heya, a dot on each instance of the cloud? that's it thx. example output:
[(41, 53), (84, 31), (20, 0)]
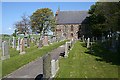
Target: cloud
[(9, 28)]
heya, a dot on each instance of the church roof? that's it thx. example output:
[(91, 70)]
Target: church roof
[(71, 17)]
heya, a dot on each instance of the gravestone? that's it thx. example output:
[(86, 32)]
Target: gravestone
[(25, 41), (0, 43), (14, 43), (88, 42), (22, 47), (32, 39), (18, 46), (45, 41), (47, 66), (83, 39), (5, 51), (53, 71), (28, 42), (10, 42), (40, 44), (54, 67), (67, 48)]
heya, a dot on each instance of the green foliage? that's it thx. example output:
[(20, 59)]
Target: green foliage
[(104, 17), (42, 20)]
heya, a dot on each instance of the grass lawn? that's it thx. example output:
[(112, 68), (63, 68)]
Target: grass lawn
[(82, 64), (0, 69), (16, 61)]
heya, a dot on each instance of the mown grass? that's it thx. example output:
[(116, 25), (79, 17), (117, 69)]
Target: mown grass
[(81, 64), (16, 61)]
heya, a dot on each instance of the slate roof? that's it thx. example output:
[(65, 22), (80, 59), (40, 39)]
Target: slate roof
[(71, 17)]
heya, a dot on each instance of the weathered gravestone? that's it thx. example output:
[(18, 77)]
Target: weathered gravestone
[(32, 39), (54, 67), (25, 41), (45, 41), (5, 51), (0, 43), (18, 46), (10, 41), (14, 43), (28, 42), (40, 43), (22, 47), (83, 39), (88, 42), (67, 48), (47, 66)]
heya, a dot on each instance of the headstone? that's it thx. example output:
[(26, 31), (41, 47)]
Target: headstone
[(22, 47), (32, 39), (0, 43), (103, 38), (5, 51), (88, 42), (14, 43), (47, 66), (40, 44), (93, 39), (28, 42), (10, 42), (54, 67), (18, 46), (53, 71), (45, 41), (25, 41), (83, 38), (67, 48)]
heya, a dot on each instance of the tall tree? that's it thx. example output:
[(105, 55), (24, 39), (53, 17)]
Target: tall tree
[(23, 26), (42, 21)]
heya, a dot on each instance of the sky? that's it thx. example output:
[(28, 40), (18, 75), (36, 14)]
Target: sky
[(12, 11)]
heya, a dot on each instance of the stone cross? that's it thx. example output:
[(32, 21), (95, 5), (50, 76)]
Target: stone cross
[(88, 42), (18, 46), (22, 47), (5, 51), (14, 43)]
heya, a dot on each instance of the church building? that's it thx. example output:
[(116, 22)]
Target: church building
[(68, 23)]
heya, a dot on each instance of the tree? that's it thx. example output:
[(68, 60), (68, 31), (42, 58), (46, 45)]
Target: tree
[(104, 18), (23, 26), (42, 21)]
